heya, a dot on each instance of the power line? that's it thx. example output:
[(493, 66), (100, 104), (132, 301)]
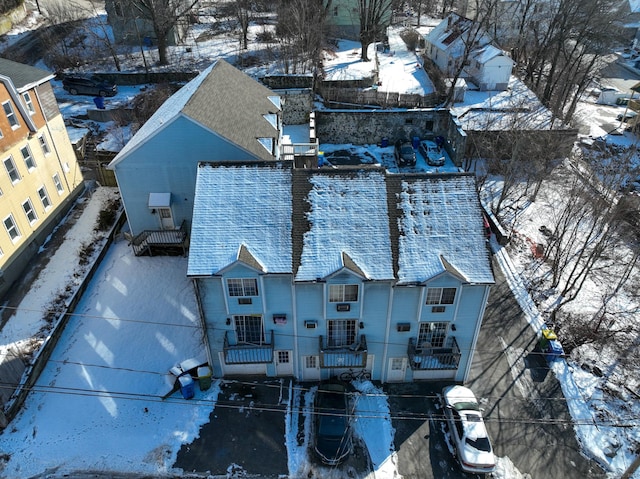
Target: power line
[(83, 392)]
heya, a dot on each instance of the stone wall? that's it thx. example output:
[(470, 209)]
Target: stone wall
[(362, 127), (297, 105)]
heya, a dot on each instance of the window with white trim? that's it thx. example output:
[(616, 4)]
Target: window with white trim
[(11, 227), (432, 335), (249, 329), (44, 144), (28, 103), (44, 197), (242, 286), (11, 115), (58, 183), (441, 295), (29, 212), (28, 157), (341, 332), (12, 171), (343, 293), (311, 362)]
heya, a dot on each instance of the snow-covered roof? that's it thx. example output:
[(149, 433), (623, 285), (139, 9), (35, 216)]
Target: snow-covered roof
[(314, 223), (347, 213), (239, 212), (488, 52), (222, 99), (634, 6), (441, 229)]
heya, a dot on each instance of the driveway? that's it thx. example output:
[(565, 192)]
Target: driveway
[(525, 411)]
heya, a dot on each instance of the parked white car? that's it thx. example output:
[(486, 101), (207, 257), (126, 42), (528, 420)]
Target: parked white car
[(433, 154), (467, 429)]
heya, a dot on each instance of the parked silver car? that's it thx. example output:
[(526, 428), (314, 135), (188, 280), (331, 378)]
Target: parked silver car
[(432, 153)]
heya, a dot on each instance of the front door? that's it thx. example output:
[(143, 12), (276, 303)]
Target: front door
[(310, 368), (284, 365), (166, 218), (397, 369)]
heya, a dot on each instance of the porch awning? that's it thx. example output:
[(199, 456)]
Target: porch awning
[(159, 200)]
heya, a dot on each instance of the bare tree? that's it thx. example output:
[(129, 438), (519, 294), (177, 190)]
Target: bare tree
[(243, 11), (302, 30), (164, 15), (374, 16)]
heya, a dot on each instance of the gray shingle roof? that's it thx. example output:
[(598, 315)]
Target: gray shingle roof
[(23, 76)]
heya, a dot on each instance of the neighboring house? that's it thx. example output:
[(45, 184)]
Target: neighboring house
[(311, 272), (131, 26), (40, 176), (343, 17), (490, 68), (486, 66), (221, 115)]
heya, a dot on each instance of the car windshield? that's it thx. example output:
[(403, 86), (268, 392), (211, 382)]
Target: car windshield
[(466, 406), (407, 150), (332, 425), (479, 443)]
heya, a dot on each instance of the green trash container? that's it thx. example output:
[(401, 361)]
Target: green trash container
[(204, 377)]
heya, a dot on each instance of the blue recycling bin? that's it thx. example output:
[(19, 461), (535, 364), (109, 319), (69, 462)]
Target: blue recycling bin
[(554, 350), (415, 142), (385, 142), (99, 101), (187, 386)]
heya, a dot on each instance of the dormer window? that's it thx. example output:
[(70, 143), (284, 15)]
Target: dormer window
[(441, 295), (343, 293), (242, 287)]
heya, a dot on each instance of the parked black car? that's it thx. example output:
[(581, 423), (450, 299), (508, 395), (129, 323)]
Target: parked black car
[(405, 154), (332, 425), (80, 85)]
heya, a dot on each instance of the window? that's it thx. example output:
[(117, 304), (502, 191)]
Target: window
[(283, 357), (341, 332), (242, 287), (249, 329), (11, 116), (29, 211), (1, 135), (12, 171), (11, 228), (311, 362), (44, 197), (58, 183), (28, 103), (441, 295), (340, 293), (432, 335), (28, 159), (44, 144)]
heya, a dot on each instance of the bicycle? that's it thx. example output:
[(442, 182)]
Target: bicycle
[(353, 375)]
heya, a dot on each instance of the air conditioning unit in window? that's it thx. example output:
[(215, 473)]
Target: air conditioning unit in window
[(343, 307), (311, 324), (244, 301)]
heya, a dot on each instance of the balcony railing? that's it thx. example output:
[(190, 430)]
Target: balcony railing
[(425, 358), (247, 353), (353, 356), (151, 242)]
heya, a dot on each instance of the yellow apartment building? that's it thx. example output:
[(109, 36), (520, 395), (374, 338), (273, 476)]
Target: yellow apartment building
[(39, 175)]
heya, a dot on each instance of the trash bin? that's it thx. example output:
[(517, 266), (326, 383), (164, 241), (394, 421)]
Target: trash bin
[(554, 351), (384, 142), (99, 101), (186, 386), (204, 377), (415, 142), (547, 335)]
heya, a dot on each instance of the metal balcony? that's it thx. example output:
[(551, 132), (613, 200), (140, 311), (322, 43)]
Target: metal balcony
[(429, 358), (353, 356), (247, 353)]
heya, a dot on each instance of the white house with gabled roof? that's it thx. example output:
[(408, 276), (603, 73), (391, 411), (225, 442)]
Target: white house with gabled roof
[(487, 66), (312, 272)]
